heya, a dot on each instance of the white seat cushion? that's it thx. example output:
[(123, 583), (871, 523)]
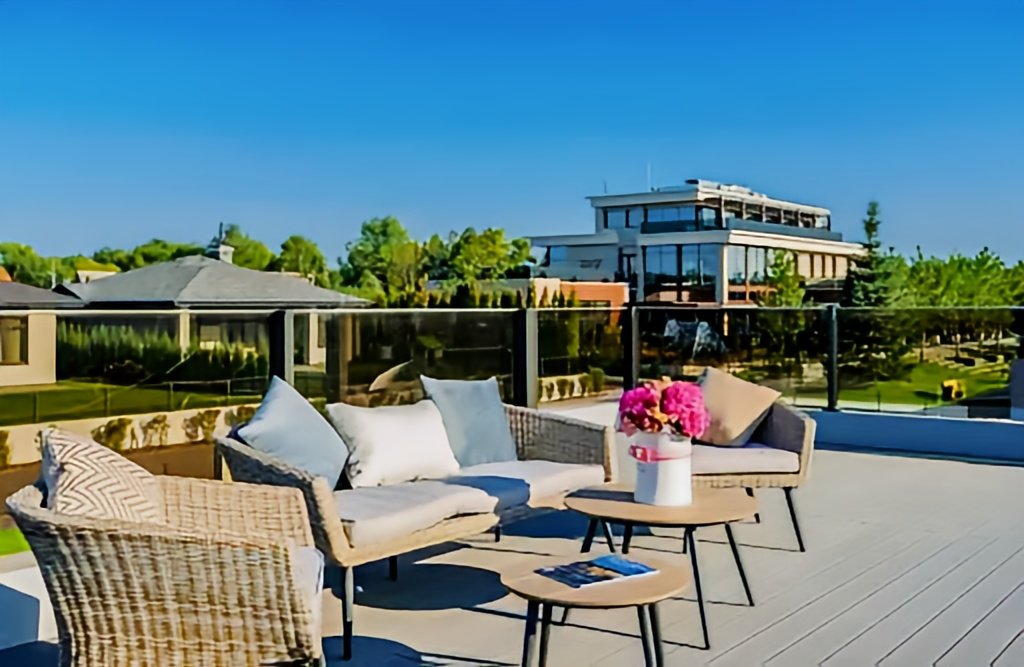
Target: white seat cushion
[(752, 457), (546, 479), (383, 513), (308, 578)]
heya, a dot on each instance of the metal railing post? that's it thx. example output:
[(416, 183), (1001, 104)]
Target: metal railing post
[(630, 346), (832, 358), (282, 345), (525, 359)]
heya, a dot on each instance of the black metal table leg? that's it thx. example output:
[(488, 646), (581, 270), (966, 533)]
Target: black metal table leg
[(627, 537), (739, 563), (692, 542), (757, 516), (608, 536), (645, 638), (588, 541), (545, 631), (530, 634), (659, 650)]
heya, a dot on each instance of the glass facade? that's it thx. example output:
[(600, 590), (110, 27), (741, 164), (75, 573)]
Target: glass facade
[(681, 215), (615, 218), (690, 267)]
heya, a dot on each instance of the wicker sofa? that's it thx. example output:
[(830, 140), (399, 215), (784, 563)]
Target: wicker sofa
[(335, 515), (220, 584)]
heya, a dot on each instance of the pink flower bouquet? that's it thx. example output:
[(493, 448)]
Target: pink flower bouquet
[(657, 406)]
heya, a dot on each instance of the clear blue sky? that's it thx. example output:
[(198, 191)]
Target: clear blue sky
[(123, 121)]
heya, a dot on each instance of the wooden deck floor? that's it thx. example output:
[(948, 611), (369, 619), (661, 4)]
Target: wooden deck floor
[(910, 562)]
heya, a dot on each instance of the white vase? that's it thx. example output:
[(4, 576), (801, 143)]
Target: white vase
[(666, 480)]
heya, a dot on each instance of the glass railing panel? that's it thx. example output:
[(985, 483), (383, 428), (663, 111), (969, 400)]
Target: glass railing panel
[(782, 348), (580, 352), (374, 358), (952, 362)]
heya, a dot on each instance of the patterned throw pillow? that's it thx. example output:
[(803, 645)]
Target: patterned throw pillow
[(84, 478)]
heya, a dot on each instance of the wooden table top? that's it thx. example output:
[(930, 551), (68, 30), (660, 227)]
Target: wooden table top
[(672, 578), (614, 502)]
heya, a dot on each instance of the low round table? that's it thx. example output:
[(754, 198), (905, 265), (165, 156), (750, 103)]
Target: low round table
[(613, 503), (542, 594)]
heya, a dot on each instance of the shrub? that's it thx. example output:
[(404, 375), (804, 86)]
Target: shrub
[(5, 449), (597, 379), (584, 385), (155, 431), (564, 387)]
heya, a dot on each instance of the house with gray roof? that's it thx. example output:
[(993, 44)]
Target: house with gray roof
[(203, 292), (28, 333)]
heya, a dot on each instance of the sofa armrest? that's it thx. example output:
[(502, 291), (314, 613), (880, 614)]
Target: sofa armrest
[(552, 437), (251, 466), (789, 429)]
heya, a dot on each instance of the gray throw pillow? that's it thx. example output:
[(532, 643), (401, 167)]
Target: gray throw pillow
[(737, 407), (287, 427), (474, 418)]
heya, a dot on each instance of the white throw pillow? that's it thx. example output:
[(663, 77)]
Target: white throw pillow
[(393, 444)]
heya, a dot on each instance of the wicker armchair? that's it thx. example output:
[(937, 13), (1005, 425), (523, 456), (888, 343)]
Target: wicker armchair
[(213, 587), (538, 435)]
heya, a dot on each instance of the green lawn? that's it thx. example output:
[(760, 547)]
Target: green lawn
[(11, 542), (79, 400)]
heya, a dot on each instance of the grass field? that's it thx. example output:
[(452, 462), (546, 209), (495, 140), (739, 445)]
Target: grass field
[(11, 542), (70, 399)]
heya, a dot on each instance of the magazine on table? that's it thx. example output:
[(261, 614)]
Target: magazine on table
[(602, 569)]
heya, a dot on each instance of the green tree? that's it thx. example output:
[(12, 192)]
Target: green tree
[(486, 255), (874, 339), (150, 252), (781, 329), (372, 252), (27, 266), (300, 255), (249, 252)]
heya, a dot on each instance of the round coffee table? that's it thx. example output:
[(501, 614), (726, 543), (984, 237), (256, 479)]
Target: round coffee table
[(613, 503), (542, 594)]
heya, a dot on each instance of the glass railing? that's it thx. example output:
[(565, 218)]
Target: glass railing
[(579, 353), (785, 348), (953, 362)]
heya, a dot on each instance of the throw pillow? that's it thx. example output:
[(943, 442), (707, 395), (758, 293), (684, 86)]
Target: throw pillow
[(288, 428), (737, 407), (393, 444), (84, 478), (474, 418)]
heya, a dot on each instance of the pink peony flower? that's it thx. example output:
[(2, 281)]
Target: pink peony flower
[(683, 404), (639, 410)]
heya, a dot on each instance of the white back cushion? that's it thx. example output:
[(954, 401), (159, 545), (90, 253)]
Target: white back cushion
[(393, 444)]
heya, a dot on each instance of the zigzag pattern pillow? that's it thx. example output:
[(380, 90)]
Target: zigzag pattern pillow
[(84, 478)]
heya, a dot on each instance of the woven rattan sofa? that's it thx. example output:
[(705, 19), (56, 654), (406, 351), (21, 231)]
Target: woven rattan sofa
[(539, 437), (219, 584)]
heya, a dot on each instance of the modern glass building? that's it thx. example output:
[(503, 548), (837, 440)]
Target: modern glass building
[(702, 242)]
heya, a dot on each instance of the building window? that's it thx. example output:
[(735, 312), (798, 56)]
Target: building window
[(615, 218), (556, 254), (685, 216), (707, 218), (737, 262), (709, 263), (690, 274), (757, 264), (660, 264), (635, 217), (13, 341)]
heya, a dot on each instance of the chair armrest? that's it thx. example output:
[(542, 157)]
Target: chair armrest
[(552, 437), (252, 466), (789, 429), (256, 511), (165, 596)]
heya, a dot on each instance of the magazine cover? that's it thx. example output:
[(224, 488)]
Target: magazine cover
[(597, 570)]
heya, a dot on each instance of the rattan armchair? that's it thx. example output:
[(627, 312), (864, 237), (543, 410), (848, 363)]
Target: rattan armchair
[(538, 436), (783, 428), (211, 587)]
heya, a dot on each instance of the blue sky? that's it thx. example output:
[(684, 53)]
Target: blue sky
[(123, 121)]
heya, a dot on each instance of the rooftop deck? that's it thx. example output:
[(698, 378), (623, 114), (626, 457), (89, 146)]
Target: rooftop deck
[(909, 562)]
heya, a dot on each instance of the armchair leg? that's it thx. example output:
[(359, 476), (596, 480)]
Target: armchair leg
[(393, 568), (757, 517), (792, 515), (348, 609), (497, 533)]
